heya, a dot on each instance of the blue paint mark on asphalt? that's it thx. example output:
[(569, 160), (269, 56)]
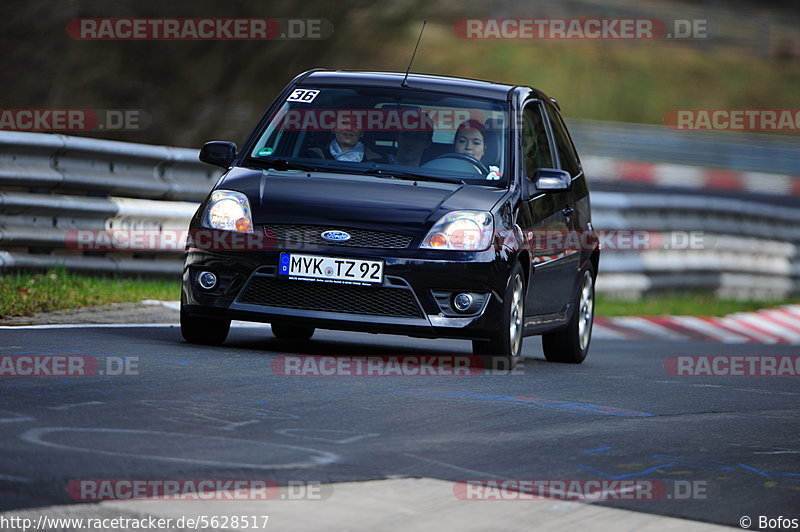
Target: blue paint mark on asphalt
[(683, 462), (599, 449), (628, 475), (183, 363), (753, 469), (530, 402), (766, 473), (699, 462)]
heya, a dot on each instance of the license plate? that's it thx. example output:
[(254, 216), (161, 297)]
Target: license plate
[(331, 269)]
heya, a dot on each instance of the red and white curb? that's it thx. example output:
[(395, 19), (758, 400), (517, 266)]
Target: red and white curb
[(767, 326), (679, 175)]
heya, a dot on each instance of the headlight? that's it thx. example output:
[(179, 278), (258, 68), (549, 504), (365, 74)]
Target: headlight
[(228, 211), (461, 231)]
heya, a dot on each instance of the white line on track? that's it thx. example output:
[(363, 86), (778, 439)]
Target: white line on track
[(10, 478), (315, 457)]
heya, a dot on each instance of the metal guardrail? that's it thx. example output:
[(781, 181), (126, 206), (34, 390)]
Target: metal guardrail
[(751, 152), (84, 166), (744, 249), (52, 185)]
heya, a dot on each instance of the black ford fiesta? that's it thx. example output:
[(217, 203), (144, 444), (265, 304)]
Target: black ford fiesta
[(410, 204)]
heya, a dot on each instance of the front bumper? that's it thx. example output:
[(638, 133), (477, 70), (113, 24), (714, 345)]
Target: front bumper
[(251, 290)]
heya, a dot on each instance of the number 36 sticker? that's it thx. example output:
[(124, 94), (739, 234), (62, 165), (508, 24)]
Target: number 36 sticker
[(303, 95)]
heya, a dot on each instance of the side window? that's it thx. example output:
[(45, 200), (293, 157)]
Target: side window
[(566, 151), (535, 147)]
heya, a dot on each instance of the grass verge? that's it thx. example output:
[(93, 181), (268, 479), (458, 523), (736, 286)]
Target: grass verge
[(695, 304), (23, 294)]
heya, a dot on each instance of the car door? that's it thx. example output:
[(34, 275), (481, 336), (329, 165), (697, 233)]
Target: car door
[(547, 219), (577, 197)]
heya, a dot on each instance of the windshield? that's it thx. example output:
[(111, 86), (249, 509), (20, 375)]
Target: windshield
[(389, 132)]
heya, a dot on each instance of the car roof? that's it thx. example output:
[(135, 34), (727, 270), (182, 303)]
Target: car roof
[(464, 86)]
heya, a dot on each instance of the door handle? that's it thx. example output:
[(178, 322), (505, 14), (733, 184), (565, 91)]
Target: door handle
[(568, 211)]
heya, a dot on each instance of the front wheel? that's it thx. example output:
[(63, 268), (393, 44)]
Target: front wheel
[(206, 331), (505, 345), (571, 344)]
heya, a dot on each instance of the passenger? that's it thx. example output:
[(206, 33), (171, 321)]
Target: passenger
[(411, 145), (347, 145), (470, 139)]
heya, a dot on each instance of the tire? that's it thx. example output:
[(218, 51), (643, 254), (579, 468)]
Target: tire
[(205, 331), (503, 349), (286, 331), (571, 344)]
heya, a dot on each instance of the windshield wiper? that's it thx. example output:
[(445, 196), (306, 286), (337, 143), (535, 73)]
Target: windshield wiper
[(285, 164), (411, 176)]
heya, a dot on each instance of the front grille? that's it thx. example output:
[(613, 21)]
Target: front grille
[(311, 234), (328, 297)]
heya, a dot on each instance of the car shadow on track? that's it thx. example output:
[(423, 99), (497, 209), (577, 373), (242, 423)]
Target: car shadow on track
[(327, 343)]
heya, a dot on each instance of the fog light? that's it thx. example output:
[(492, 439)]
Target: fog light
[(207, 280), (462, 302)]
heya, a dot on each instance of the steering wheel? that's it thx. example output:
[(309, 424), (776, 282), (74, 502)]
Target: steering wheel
[(467, 158)]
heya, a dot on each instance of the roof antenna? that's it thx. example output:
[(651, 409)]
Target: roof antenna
[(405, 78)]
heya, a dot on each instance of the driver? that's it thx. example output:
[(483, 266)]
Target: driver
[(470, 139)]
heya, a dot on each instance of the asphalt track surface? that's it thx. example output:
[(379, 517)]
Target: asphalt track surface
[(197, 412)]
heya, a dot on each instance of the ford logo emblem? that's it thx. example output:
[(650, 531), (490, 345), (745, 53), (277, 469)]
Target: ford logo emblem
[(336, 236)]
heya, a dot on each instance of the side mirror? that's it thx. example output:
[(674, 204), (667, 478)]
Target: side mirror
[(218, 153), (552, 179)]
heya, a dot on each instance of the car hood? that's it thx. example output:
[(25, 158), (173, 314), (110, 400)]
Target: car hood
[(297, 197)]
